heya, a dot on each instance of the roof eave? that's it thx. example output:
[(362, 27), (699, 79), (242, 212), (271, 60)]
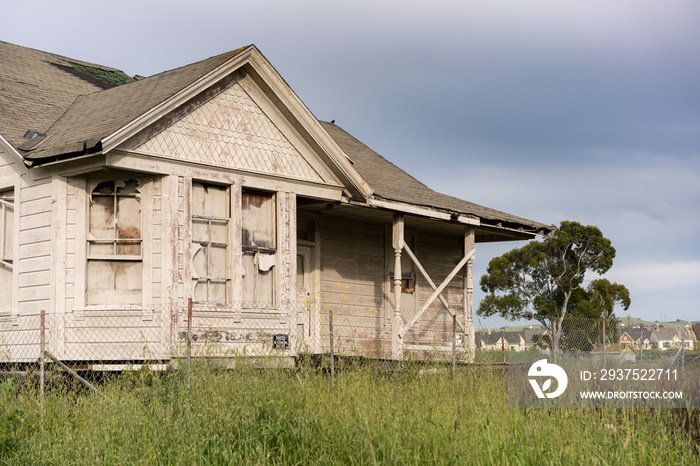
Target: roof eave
[(301, 113), (505, 229), (122, 134), (249, 55), (9, 148)]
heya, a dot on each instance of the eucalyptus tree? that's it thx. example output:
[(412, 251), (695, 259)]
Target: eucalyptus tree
[(543, 280)]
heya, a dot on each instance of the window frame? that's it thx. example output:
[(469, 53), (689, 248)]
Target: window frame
[(256, 251), (4, 230), (144, 195), (11, 231), (228, 265), (115, 240)]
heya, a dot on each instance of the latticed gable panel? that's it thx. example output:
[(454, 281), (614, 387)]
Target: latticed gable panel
[(232, 131)]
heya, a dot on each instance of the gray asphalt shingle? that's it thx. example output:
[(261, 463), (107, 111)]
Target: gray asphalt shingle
[(77, 104)]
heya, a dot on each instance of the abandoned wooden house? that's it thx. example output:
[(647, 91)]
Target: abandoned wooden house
[(123, 198)]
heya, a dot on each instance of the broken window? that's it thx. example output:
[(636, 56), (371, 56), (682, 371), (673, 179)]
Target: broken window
[(114, 269), (7, 214), (259, 237), (408, 285), (211, 215)]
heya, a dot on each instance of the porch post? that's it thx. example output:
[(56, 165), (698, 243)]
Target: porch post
[(470, 343), (397, 321)]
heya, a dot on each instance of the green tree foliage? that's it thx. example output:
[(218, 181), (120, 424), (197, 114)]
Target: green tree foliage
[(597, 301), (543, 281)]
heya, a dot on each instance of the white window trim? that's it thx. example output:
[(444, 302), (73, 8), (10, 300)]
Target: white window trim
[(16, 194), (278, 235), (230, 266), (82, 234)]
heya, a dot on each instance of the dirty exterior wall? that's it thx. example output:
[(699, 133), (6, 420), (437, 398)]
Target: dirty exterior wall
[(439, 255), (154, 328), (353, 280), (81, 330), (8, 181), (30, 286), (237, 326), (357, 262)]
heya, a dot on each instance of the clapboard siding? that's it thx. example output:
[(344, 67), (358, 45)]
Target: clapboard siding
[(20, 341), (72, 205), (352, 286), (35, 245)]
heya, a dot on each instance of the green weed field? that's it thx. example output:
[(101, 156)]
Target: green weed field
[(370, 416)]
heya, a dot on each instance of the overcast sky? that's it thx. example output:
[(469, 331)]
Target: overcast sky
[(549, 110)]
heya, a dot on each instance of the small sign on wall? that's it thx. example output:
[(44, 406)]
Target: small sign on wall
[(280, 341)]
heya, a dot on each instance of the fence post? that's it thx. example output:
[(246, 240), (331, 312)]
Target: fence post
[(682, 356), (454, 344), (604, 337), (189, 341), (330, 335), (42, 356), (503, 346)]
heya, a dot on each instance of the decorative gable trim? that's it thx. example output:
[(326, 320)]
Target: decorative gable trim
[(232, 130), (280, 95)]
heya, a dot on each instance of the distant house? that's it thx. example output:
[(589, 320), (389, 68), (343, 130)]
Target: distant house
[(501, 341), (121, 199), (625, 338), (632, 336), (673, 338)]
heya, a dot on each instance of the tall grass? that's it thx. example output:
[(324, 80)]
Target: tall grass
[(370, 416)]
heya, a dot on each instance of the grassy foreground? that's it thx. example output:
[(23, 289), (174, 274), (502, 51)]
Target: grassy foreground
[(250, 416)]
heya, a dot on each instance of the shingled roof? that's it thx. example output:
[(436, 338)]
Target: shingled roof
[(37, 87), (92, 115), (53, 107), (392, 183)]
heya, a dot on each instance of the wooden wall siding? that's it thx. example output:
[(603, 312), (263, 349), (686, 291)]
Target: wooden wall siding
[(231, 130), (157, 241), (9, 180), (7, 248), (352, 284), (119, 337), (71, 247), (184, 187), (231, 333), (34, 260), (438, 255), (8, 169), (286, 231), (19, 339)]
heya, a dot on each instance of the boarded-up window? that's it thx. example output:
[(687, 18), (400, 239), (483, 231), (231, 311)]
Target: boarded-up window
[(114, 269), (7, 214), (259, 237), (211, 214)]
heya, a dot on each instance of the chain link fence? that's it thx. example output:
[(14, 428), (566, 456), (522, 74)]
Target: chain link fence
[(168, 336)]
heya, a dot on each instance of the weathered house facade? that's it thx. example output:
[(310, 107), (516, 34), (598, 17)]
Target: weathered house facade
[(121, 199)]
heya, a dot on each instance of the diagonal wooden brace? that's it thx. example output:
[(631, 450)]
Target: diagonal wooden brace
[(420, 268), (439, 290)]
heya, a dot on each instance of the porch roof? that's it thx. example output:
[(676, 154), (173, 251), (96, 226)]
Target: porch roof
[(392, 183)]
